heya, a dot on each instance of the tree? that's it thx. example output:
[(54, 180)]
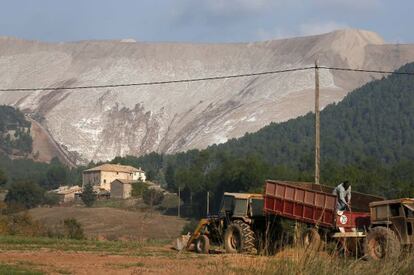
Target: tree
[(56, 176), (25, 193), (88, 195), (138, 188), (152, 196)]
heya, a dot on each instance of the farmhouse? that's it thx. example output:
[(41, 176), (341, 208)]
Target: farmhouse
[(67, 193), (103, 175), (121, 189)]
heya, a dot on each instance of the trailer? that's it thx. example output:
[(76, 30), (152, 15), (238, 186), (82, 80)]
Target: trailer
[(315, 206)]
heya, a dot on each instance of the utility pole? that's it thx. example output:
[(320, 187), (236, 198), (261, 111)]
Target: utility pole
[(317, 126), (208, 203), (179, 200)]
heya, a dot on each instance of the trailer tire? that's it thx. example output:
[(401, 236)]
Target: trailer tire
[(311, 240), (202, 244), (382, 243), (239, 238)]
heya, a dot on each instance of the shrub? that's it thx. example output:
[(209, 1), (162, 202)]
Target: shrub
[(138, 188), (152, 196), (25, 193), (51, 199), (73, 229), (88, 195), (20, 224)]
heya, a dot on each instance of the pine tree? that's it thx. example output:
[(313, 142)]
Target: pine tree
[(88, 195)]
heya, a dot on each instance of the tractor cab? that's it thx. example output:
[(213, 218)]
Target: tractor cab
[(241, 205), (392, 223), (395, 214)]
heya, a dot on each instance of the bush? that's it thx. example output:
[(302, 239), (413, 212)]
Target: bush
[(51, 199), (138, 188), (73, 229), (88, 195), (25, 193), (20, 224), (152, 196)]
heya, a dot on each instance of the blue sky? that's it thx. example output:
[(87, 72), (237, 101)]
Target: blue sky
[(202, 20)]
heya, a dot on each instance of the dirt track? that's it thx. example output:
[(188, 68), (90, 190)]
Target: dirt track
[(59, 262)]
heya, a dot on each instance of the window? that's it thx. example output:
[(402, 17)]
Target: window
[(395, 210), (104, 181)]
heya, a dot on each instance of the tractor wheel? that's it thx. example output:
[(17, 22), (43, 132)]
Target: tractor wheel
[(239, 238), (202, 244), (311, 240), (382, 243)]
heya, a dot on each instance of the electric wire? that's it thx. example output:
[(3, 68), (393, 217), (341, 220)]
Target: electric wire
[(189, 80), (155, 82)]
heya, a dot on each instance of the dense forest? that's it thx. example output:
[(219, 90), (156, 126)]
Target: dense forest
[(367, 138)]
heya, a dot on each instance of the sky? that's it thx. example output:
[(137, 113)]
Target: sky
[(209, 21)]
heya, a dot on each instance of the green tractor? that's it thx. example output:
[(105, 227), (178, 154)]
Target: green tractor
[(236, 226)]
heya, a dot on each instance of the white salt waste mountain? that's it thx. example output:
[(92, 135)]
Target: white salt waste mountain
[(99, 124)]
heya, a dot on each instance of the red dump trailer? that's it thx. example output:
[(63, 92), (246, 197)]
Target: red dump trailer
[(315, 205)]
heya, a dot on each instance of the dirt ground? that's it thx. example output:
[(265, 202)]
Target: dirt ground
[(112, 223), (63, 262)]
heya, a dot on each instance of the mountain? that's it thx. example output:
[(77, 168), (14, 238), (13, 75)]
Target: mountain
[(99, 124), (366, 138)]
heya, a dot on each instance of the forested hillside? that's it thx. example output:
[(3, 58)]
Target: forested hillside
[(366, 138), (14, 132)]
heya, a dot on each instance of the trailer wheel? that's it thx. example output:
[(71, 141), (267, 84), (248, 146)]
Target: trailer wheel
[(239, 238), (382, 243), (311, 239), (202, 244)]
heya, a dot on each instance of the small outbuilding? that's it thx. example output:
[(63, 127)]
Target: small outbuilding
[(67, 193), (121, 189)]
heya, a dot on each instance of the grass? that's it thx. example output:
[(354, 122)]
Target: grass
[(34, 243), (14, 270)]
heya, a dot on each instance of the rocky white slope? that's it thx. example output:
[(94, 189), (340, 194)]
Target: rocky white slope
[(100, 124)]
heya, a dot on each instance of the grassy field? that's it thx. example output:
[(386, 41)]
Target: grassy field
[(61, 256), (113, 222)]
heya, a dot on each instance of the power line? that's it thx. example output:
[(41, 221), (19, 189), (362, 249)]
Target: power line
[(366, 71), (202, 79), (155, 82)]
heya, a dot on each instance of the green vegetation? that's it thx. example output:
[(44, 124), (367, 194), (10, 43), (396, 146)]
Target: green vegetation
[(73, 229), (138, 188), (8, 242), (17, 270), (366, 138), (152, 197), (25, 194), (48, 176), (88, 195), (14, 132)]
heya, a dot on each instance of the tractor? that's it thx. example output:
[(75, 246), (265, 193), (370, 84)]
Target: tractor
[(236, 225), (392, 224)]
